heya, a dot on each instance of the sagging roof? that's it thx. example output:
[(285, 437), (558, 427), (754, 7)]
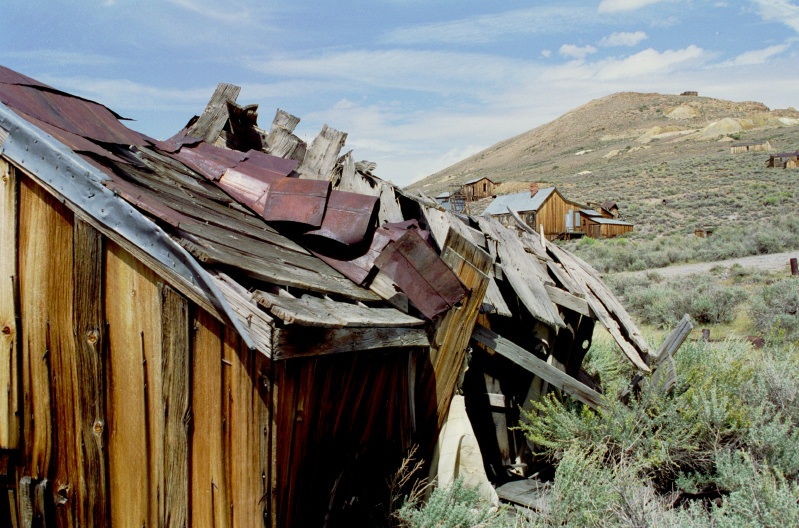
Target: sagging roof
[(608, 221), (520, 202), (266, 229)]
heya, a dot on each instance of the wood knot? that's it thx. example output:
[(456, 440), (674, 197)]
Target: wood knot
[(6, 330), (99, 427), (92, 337)]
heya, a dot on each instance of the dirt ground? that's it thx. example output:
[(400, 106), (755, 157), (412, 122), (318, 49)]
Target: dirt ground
[(774, 262)]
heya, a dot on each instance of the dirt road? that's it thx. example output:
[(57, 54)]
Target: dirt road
[(774, 262)]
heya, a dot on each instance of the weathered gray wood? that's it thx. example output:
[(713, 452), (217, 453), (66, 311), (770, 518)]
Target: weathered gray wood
[(42, 498), (389, 210), (533, 241), (255, 320), (27, 487), (567, 300), (308, 342), (494, 298), (674, 340), (285, 121), (276, 271), (213, 119), (353, 181), (322, 155), (89, 313), (528, 493), (580, 277), (176, 376), (315, 311), (537, 366), (382, 285), (511, 249)]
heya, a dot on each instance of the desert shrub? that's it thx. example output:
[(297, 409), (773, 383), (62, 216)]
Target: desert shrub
[(663, 304), (728, 430), (457, 505), (775, 310)]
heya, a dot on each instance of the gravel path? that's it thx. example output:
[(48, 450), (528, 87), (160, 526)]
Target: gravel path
[(773, 262)]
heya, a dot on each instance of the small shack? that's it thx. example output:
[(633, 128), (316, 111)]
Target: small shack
[(234, 328), (786, 160), (478, 188), (739, 148)]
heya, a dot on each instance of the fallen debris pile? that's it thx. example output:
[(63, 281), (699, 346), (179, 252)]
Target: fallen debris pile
[(307, 322)]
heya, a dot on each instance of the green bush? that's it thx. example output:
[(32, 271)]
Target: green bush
[(775, 310), (453, 506)]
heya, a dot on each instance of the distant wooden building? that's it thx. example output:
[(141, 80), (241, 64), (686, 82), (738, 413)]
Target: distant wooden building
[(787, 160), (690, 93), (561, 217), (478, 188), (750, 147)]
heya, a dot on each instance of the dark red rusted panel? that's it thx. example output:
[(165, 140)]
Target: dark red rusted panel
[(9, 76), (177, 141), (210, 161), (348, 217), (431, 286), (295, 200), (73, 141), (79, 116), (271, 163), (357, 268), (245, 189)]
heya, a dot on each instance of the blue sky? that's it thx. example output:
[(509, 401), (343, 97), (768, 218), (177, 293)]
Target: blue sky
[(418, 85)]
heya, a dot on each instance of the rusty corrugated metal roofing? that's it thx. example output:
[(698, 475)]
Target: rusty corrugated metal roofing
[(431, 286), (295, 200), (348, 217)]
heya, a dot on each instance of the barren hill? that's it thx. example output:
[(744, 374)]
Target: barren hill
[(639, 149)]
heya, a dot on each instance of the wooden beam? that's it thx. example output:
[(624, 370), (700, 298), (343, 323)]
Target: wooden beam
[(176, 376), (321, 157), (90, 350), (539, 367), (303, 341), (9, 302), (664, 376), (567, 300), (210, 124)]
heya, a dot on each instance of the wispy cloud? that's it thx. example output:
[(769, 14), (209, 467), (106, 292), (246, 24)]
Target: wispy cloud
[(645, 63), (487, 28), (757, 56), (623, 39), (54, 58), (780, 10), (230, 15), (614, 6), (576, 52)]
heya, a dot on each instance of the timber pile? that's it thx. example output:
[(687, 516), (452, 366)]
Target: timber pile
[(357, 305)]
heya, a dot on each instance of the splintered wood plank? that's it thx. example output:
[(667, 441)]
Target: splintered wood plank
[(9, 371), (209, 487), (210, 123), (45, 261), (91, 376), (247, 415), (302, 341), (322, 155), (133, 313), (174, 499), (539, 367), (448, 350), (315, 311)]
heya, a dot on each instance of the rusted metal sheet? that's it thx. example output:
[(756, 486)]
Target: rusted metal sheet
[(431, 286), (177, 141), (146, 202), (210, 161), (348, 217), (357, 267), (73, 141), (8, 76), (247, 190), (267, 162), (295, 200), (79, 116)]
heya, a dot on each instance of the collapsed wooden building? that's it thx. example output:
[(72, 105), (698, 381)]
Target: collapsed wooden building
[(234, 328)]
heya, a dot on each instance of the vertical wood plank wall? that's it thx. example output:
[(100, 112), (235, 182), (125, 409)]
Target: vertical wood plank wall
[(9, 387)]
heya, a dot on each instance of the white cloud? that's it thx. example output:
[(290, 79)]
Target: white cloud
[(623, 39), (546, 53), (667, 22), (487, 28), (50, 58), (229, 15), (614, 6), (780, 10), (576, 52), (757, 56)]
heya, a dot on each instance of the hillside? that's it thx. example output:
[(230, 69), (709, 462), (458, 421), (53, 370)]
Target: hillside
[(664, 158)]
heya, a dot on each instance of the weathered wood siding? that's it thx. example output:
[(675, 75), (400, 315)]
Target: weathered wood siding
[(9, 386), (479, 189), (139, 407), (552, 214)]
